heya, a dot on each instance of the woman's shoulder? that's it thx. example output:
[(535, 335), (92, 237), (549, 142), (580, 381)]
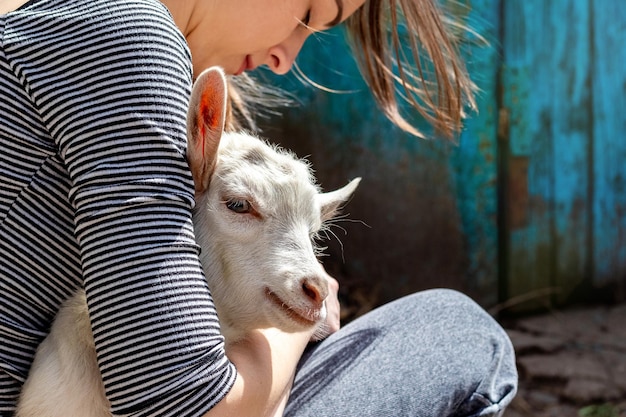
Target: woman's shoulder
[(47, 34), (106, 9), (77, 19)]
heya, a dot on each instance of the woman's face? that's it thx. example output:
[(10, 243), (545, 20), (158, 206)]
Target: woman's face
[(240, 35)]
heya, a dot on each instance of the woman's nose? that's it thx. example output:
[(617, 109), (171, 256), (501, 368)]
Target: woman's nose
[(282, 56)]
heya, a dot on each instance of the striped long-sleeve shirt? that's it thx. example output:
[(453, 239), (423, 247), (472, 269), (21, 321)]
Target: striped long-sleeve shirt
[(95, 193)]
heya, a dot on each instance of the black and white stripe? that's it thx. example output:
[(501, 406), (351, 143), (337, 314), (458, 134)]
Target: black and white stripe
[(95, 192)]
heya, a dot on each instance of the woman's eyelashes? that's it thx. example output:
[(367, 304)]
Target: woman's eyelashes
[(307, 19)]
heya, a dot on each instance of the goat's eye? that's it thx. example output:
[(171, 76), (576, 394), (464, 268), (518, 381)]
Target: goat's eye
[(238, 206)]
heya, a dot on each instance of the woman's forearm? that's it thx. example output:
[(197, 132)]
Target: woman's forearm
[(266, 361)]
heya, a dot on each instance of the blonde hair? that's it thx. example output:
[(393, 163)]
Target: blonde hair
[(431, 78), (379, 44)]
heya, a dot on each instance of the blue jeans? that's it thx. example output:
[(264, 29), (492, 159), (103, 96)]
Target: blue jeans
[(435, 353)]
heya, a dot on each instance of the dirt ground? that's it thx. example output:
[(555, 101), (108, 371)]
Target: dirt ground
[(572, 363)]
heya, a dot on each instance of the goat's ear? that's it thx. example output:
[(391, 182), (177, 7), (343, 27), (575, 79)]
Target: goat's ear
[(205, 124), (331, 202)]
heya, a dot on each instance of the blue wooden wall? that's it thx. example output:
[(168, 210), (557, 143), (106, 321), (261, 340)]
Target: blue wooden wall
[(564, 93), (529, 207)]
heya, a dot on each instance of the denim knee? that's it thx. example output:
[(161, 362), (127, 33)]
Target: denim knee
[(496, 372)]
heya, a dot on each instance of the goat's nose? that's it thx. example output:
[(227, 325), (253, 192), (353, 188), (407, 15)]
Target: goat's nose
[(316, 289)]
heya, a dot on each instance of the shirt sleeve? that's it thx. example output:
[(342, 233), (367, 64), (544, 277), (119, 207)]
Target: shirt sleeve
[(111, 81)]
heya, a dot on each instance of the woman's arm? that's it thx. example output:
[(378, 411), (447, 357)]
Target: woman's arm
[(266, 361), (113, 96), (111, 81)]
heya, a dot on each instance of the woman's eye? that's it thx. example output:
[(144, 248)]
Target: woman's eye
[(238, 206), (307, 18)]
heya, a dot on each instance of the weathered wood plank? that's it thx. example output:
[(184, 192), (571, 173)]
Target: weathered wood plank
[(609, 146), (527, 81), (475, 161), (571, 136)]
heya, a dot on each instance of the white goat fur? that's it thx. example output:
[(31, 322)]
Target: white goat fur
[(255, 224)]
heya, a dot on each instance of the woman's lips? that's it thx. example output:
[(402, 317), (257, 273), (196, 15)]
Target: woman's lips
[(245, 65)]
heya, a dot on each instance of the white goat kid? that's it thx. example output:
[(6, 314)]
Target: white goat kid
[(256, 225)]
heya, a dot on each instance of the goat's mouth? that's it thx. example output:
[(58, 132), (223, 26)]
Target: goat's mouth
[(308, 317)]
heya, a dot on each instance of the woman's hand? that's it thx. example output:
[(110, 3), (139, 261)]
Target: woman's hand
[(333, 312)]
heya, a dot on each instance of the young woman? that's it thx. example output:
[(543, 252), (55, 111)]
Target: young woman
[(95, 192)]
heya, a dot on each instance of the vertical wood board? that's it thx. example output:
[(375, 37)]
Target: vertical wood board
[(571, 135), (608, 155), (475, 161), (527, 96)]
